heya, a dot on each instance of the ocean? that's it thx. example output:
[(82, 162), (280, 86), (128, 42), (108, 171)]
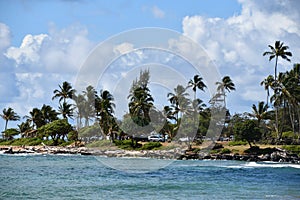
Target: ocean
[(89, 177)]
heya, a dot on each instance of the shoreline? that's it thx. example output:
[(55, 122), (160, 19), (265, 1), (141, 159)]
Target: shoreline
[(280, 155)]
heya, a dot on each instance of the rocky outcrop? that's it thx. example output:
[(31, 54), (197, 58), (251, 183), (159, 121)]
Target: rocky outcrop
[(278, 155)]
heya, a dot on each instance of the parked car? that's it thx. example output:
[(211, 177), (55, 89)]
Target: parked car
[(155, 138)]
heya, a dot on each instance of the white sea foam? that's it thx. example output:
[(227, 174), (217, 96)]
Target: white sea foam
[(272, 165)]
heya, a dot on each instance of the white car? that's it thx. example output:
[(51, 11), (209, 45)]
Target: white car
[(155, 138)]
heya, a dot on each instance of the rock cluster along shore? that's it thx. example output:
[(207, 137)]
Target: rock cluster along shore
[(279, 155)]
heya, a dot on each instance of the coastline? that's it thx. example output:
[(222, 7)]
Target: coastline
[(279, 155)]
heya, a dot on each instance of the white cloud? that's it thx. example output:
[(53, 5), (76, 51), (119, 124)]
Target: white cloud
[(157, 13), (4, 36), (236, 43), (123, 48), (29, 51), (35, 68)]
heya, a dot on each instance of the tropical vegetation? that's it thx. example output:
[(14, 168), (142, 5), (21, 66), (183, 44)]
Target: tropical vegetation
[(274, 121)]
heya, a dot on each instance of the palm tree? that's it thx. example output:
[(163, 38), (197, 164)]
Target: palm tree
[(80, 103), (65, 91), (48, 114), (278, 51), (66, 110), (179, 100), (260, 111), (24, 128), (9, 115), (36, 118), (225, 85), (268, 82), (104, 110), (196, 83), (140, 104)]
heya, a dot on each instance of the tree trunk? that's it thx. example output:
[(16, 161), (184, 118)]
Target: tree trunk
[(6, 122)]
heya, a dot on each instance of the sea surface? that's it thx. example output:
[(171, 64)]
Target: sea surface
[(86, 177)]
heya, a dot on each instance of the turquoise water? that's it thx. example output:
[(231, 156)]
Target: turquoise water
[(84, 177)]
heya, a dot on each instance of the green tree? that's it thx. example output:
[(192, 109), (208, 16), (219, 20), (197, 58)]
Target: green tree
[(140, 100), (9, 134), (9, 115), (57, 129), (247, 130)]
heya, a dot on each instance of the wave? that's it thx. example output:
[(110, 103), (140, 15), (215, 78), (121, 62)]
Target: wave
[(272, 165), (264, 165)]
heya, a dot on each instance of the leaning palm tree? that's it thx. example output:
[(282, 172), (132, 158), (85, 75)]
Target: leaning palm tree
[(196, 83), (278, 51), (225, 85), (65, 92), (9, 115)]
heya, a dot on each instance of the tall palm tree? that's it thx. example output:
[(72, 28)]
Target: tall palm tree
[(196, 83), (80, 103), (278, 51), (9, 115), (65, 91), (225, 85), (260, 111)]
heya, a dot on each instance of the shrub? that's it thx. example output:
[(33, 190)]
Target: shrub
[(151, 145), (99, 143), (127, 144), (257, 150), (237, 143)]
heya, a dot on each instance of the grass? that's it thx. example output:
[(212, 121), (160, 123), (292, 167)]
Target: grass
[(292, 148), (237, 143)]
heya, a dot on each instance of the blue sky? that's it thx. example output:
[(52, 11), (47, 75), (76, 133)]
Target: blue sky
[(43, 43)]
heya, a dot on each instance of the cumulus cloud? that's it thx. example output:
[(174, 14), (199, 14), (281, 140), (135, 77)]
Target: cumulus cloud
[(236, 43), (31, 71), (29, 50)]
